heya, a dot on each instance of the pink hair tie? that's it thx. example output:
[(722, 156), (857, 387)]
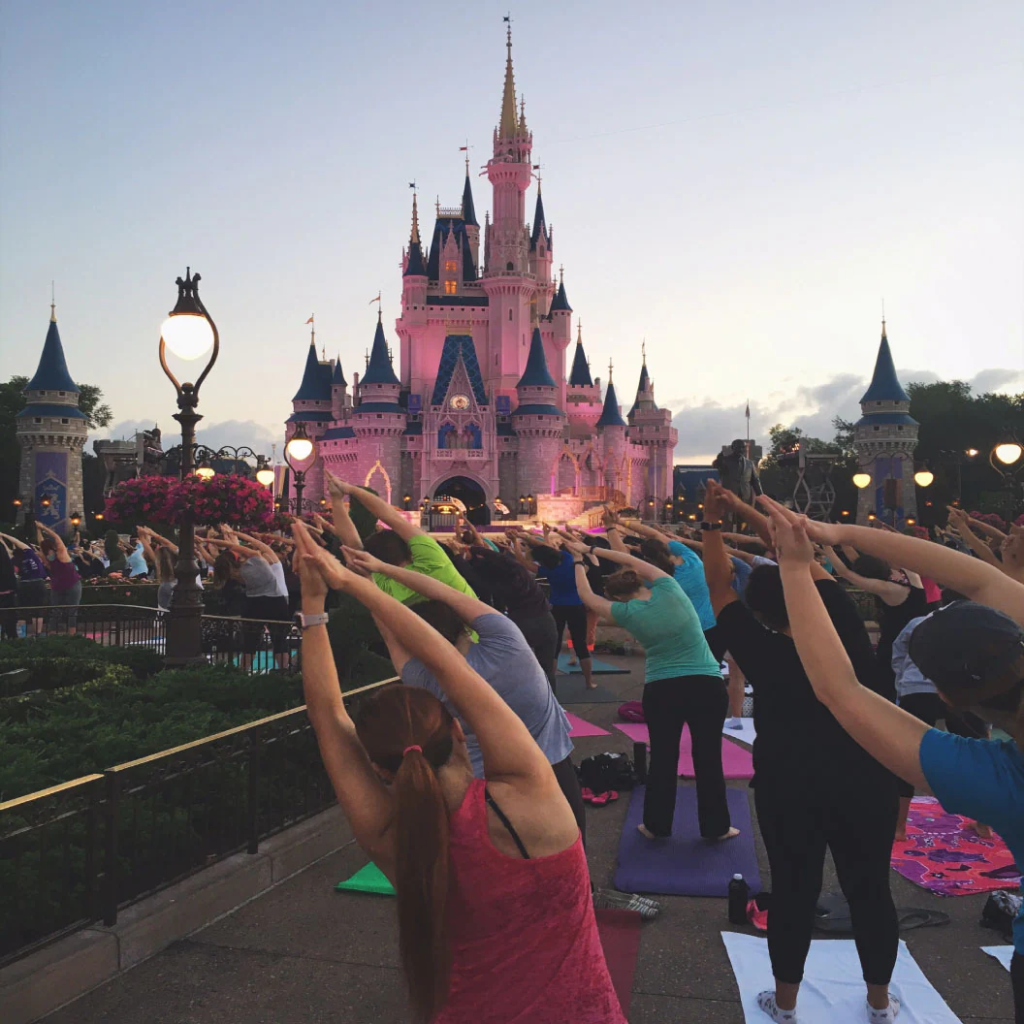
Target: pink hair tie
[(413, 746)]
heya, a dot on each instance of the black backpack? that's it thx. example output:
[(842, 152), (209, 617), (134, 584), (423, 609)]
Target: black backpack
[(603, 772)]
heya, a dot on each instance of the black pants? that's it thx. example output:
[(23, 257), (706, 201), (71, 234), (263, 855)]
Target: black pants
[(931, 708), (700, 702), (575, 617), (1017, 976), (717, 642), (541, 633), (799, 818), (569, 782)]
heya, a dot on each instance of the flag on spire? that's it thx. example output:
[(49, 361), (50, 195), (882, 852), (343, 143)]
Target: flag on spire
[(310, 320)]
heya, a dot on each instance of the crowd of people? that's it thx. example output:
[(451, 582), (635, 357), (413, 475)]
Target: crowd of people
[(459, 781)]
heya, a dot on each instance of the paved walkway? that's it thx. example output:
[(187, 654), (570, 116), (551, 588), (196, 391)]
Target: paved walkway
[(305, 954)]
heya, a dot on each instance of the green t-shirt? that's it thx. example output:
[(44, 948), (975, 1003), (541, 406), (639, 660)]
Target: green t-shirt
[(669, 629), (429, 559)]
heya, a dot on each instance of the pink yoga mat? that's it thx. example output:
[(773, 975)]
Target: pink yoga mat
[(580, 728), (737, 762)]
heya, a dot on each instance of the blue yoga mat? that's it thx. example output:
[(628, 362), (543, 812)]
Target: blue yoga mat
[(598, 667), (685, 864)]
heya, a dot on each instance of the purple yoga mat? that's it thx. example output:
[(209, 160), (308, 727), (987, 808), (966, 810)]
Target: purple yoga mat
[(581, 727), (737, 762), (685, 864)]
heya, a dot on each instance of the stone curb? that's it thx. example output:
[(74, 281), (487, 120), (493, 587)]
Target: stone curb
[(42, 982)]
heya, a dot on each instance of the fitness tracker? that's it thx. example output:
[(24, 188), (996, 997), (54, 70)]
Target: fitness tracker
[(305, 621)]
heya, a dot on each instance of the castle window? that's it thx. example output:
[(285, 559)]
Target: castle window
[(65, 421), (39, 419), (451, 265), (61, 393), (449, 287), (380, 415), (508, 266), (876, 428), (42, 392), (899, 428), (510, 310), (878, 403)]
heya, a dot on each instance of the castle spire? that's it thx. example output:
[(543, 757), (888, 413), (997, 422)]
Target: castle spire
[(610, 414), (508, 126), (52, 372), (579, 376), (316, 385), (885, 385), (540, 227), (415, 267), (379, 369), (536, 373), (414, 237), (53, 305), (468, 209)]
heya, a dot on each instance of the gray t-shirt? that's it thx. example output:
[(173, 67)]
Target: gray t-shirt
[(504, 659), (259, 578)]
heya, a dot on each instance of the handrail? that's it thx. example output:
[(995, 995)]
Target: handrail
[(41, 794)]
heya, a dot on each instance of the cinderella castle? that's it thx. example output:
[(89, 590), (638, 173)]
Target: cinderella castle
[(480, 406)]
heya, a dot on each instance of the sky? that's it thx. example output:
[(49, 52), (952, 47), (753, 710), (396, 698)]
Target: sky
[(742, 185)]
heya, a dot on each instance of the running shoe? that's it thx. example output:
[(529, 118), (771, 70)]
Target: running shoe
[(611, 899)]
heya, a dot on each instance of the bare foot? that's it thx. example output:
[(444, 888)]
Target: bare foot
[(984, 831), (591, 686), (646, 832), (731, 834), (901, 835)]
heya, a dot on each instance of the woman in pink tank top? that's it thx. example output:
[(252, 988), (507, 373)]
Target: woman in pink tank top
[(496, 921)]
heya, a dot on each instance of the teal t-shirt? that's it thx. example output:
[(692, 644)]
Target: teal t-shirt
[(670, 631), (690, 576), (984, 780)]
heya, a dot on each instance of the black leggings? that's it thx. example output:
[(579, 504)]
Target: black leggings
[(700, 702), (575, 617), (1017, 977), (799, 818), (569, 783), (930, 708)]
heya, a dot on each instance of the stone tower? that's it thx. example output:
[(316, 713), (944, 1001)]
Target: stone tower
[(538, 421), (652, 428), (51, 431), (885, 438)]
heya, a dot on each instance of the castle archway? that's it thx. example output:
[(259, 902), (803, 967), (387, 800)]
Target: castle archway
[(470, 492)]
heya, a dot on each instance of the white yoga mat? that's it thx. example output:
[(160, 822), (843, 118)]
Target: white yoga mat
[(745, 735), (1004, 954), (833, 990)]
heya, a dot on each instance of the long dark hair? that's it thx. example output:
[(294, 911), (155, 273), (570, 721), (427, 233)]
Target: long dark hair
[(397, 718), (657, 554)]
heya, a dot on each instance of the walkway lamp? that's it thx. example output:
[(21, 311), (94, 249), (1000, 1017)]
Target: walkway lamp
[(299, 449)]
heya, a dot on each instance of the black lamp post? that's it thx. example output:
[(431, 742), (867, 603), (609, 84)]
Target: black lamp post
[(299, 449), (189, 332)]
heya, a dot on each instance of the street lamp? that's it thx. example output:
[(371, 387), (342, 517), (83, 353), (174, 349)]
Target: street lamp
[(76, 518), (924, 478), (264, 473), (299, 449), (188, 332), (205, 471), (1007, 454), (861, 480)]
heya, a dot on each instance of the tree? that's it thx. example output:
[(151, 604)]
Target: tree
[(89, 399)]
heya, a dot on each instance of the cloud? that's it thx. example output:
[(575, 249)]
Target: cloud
[(705, 427), (235, 433)]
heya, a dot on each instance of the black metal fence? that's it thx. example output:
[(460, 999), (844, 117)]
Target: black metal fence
[(254, 645), (79, 852)]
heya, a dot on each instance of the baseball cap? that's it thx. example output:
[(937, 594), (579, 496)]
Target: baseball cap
[(965, 648)]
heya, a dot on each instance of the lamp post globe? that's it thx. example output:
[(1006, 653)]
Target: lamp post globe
[(924, 478), (299, 449), (861, 480), (1008, 453), (265, 476), (188, 334)]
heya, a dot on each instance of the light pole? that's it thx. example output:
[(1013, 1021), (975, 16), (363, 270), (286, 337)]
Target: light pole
[(189, 332), (299, 449), (1007, 459)]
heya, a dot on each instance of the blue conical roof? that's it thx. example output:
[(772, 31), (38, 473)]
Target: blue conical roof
[(641, 387), (536, 374), (338, 379), (610, 415), (468, 210), (52, 373), (379, 370), (885, 385), (540, 226), (579, 376), (316, 385), (560, 301)]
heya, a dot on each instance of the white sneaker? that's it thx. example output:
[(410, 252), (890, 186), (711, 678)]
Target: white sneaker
[(886, 1016), (734, 723), (766, 1001)]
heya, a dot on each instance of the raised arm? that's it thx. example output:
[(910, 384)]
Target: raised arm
[(62, 551), (971, 577), (643, 569), (17, 543), (964, 524), (746, 512), (599, 605), (886, 732), (891, 593), (344, 529), (378, 507), (509, 752), (466, 607), (268, 554), (717, 569)]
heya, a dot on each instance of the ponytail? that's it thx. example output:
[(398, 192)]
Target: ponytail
[(408, 731), (657, 554)]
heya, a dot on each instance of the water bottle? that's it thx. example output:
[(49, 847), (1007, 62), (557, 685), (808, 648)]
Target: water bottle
[(739, 894)]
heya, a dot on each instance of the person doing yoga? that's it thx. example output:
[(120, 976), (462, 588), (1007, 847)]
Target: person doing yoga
[(814, 788), (682, 686), (502, 656), (973, 651), (495, 917)]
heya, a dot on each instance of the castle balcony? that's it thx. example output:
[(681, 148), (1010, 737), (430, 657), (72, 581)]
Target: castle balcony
[(470, 454)]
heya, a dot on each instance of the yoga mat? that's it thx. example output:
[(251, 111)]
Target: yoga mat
[(598, 667), (620, 937), (1004, 954), (745, 734), (684, 864), (737, 762), (943, 854), (368, 878), (581, 728), (572, 690), (832, 991)]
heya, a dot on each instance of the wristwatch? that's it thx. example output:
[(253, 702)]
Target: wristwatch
[(575, 562), (305, 621), (710, 526)]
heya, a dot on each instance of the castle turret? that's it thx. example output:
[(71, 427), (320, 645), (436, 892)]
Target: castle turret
[(51, 432), (379, 420), (612, 428), (885, 438), (538, 422), (469, 219), (582, 396), (652, 428), (340, 402), (540, 257), (313, 406), (560, 313)]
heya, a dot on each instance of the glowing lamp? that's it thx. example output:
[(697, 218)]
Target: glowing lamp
[(206, 471), (299, 447), (971, 452), (99, 515), (872, 516), (861, 480), (845, 512), (1008, 453), (187, 334), (911, 520), (265, 476), (17, 503), (76, 518), (924, 478)]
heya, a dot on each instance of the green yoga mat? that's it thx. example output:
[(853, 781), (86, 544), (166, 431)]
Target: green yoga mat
[(598, 667), (368, 878)]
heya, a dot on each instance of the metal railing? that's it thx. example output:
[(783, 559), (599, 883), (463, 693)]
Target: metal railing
[(80, 852)]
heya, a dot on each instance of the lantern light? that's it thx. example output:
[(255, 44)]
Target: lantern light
[(861, 480), (1008, 453)]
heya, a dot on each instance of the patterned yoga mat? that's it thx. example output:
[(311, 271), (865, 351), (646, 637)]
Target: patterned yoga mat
[(943, 854)]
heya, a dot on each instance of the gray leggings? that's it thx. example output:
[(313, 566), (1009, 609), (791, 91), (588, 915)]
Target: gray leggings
[(67, 601)]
